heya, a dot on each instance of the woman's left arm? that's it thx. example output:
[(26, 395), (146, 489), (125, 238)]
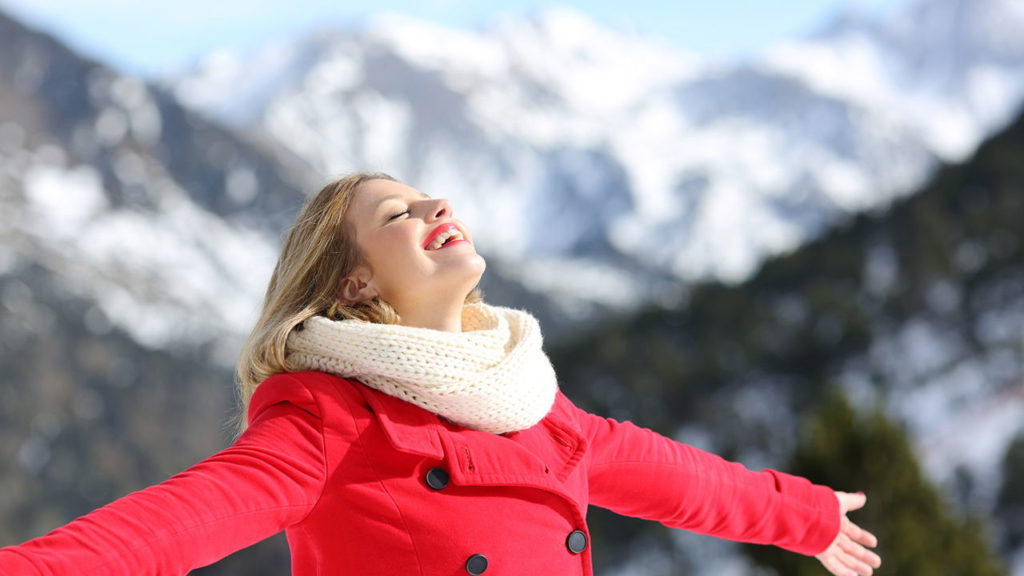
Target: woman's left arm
[(638, 472)]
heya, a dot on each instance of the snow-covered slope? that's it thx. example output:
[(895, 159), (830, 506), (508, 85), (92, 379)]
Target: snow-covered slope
[(590, 162), (121, 197), (175, 274), (567, 144)]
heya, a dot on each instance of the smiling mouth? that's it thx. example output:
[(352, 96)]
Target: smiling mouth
[(445, 236)]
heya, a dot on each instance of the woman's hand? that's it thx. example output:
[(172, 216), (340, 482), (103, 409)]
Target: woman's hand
[(848, 555)]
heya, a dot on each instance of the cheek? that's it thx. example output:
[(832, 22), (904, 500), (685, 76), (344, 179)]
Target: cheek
[(390, 252)]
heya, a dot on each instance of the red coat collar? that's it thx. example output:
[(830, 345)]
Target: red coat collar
[(408, 427), (414, 430), (543, 456)]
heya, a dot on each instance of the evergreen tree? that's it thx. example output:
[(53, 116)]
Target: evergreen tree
[(919, 532), (1010, 506)]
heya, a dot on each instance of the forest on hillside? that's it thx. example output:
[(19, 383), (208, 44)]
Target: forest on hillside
[(813, 326)]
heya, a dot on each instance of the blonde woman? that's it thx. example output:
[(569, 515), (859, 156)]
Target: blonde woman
[(396, 424)]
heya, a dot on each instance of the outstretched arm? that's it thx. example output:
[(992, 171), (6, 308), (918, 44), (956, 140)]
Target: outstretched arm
[(848, 555), (683, 487), (268, 480)]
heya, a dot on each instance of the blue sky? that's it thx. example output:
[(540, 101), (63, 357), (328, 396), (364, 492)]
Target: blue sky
[(149, 37)]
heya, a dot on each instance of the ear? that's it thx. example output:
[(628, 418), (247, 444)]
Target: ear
[(357, 287)]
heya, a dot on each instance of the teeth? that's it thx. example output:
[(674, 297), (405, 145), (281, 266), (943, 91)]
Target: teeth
[(443, 237)]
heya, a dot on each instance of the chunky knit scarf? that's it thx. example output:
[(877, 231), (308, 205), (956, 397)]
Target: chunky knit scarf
[(493, 376)]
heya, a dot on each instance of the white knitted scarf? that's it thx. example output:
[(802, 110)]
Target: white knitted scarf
[(492, 376)]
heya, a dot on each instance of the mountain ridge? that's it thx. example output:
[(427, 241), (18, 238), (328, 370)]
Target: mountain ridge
[(486, 117), (915, 311), (119, 366)]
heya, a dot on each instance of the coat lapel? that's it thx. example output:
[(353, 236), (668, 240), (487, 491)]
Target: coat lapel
[(543, 456), (409, 428)]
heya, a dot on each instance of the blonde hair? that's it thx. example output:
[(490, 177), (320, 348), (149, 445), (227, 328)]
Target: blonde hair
[(318, 252)]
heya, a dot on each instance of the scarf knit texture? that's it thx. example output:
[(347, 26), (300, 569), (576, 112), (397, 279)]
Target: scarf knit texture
[(493, 376)]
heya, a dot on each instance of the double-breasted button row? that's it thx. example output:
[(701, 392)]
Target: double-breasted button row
[(438, 479), (576, 542)]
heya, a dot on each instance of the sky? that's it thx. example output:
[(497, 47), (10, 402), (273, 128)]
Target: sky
[(151, 38)]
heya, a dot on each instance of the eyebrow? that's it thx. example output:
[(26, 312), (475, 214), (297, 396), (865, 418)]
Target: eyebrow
[(376, 208), (397, 197)]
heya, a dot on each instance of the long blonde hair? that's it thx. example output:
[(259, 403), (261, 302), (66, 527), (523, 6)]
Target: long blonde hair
[(318, 252)]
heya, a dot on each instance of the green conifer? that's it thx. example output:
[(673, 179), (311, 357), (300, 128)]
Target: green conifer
[(920, 532), (1010, 504)]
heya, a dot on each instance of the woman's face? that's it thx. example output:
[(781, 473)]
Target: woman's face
[(416, 255)]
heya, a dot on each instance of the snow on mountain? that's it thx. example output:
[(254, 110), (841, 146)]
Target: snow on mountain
[(119, 197), (591, 146), (138, 264), (601, 167), (942, 388), (595, 166), (957, 61)]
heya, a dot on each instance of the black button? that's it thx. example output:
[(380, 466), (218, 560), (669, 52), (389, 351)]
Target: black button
[(477, 564), (576, 542), (437, 478)]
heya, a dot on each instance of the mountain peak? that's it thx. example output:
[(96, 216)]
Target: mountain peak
[(518, 118), (564, 22)]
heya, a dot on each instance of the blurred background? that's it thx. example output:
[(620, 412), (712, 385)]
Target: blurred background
[(791, 233)]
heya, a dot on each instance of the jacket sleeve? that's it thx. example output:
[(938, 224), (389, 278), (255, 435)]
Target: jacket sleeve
[(270, 478), (637, 472)]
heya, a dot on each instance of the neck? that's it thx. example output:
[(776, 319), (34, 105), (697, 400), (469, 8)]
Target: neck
[(447, 318)]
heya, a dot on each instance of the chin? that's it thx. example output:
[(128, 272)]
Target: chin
[(474, 272), (473, 264)]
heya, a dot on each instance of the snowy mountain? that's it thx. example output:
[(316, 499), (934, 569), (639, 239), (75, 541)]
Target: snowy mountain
[(167, 222), (619, 159), (135, 238), (916, 312), (597, 167)]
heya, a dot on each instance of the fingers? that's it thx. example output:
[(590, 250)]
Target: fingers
[(857, 534), (840, 564), (836, 567), (848, 501), (843, 563), (857, 557), (849, 555), (850, 550)]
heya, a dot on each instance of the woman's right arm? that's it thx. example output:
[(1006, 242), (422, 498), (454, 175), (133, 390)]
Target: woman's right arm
[(269, 479)]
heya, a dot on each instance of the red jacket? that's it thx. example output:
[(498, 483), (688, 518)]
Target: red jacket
[(368, 484)]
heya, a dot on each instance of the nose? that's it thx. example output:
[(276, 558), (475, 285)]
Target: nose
[(438, 209)]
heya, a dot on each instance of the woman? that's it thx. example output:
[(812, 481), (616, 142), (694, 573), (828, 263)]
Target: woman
[(398, 425)]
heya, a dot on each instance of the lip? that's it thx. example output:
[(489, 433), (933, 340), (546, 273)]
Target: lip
[(440, 229)]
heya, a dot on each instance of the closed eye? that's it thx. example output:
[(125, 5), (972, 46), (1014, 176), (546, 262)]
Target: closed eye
[(399, 215)]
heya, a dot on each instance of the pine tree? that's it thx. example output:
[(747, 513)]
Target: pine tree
[(1010, 503), (919, 532)]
